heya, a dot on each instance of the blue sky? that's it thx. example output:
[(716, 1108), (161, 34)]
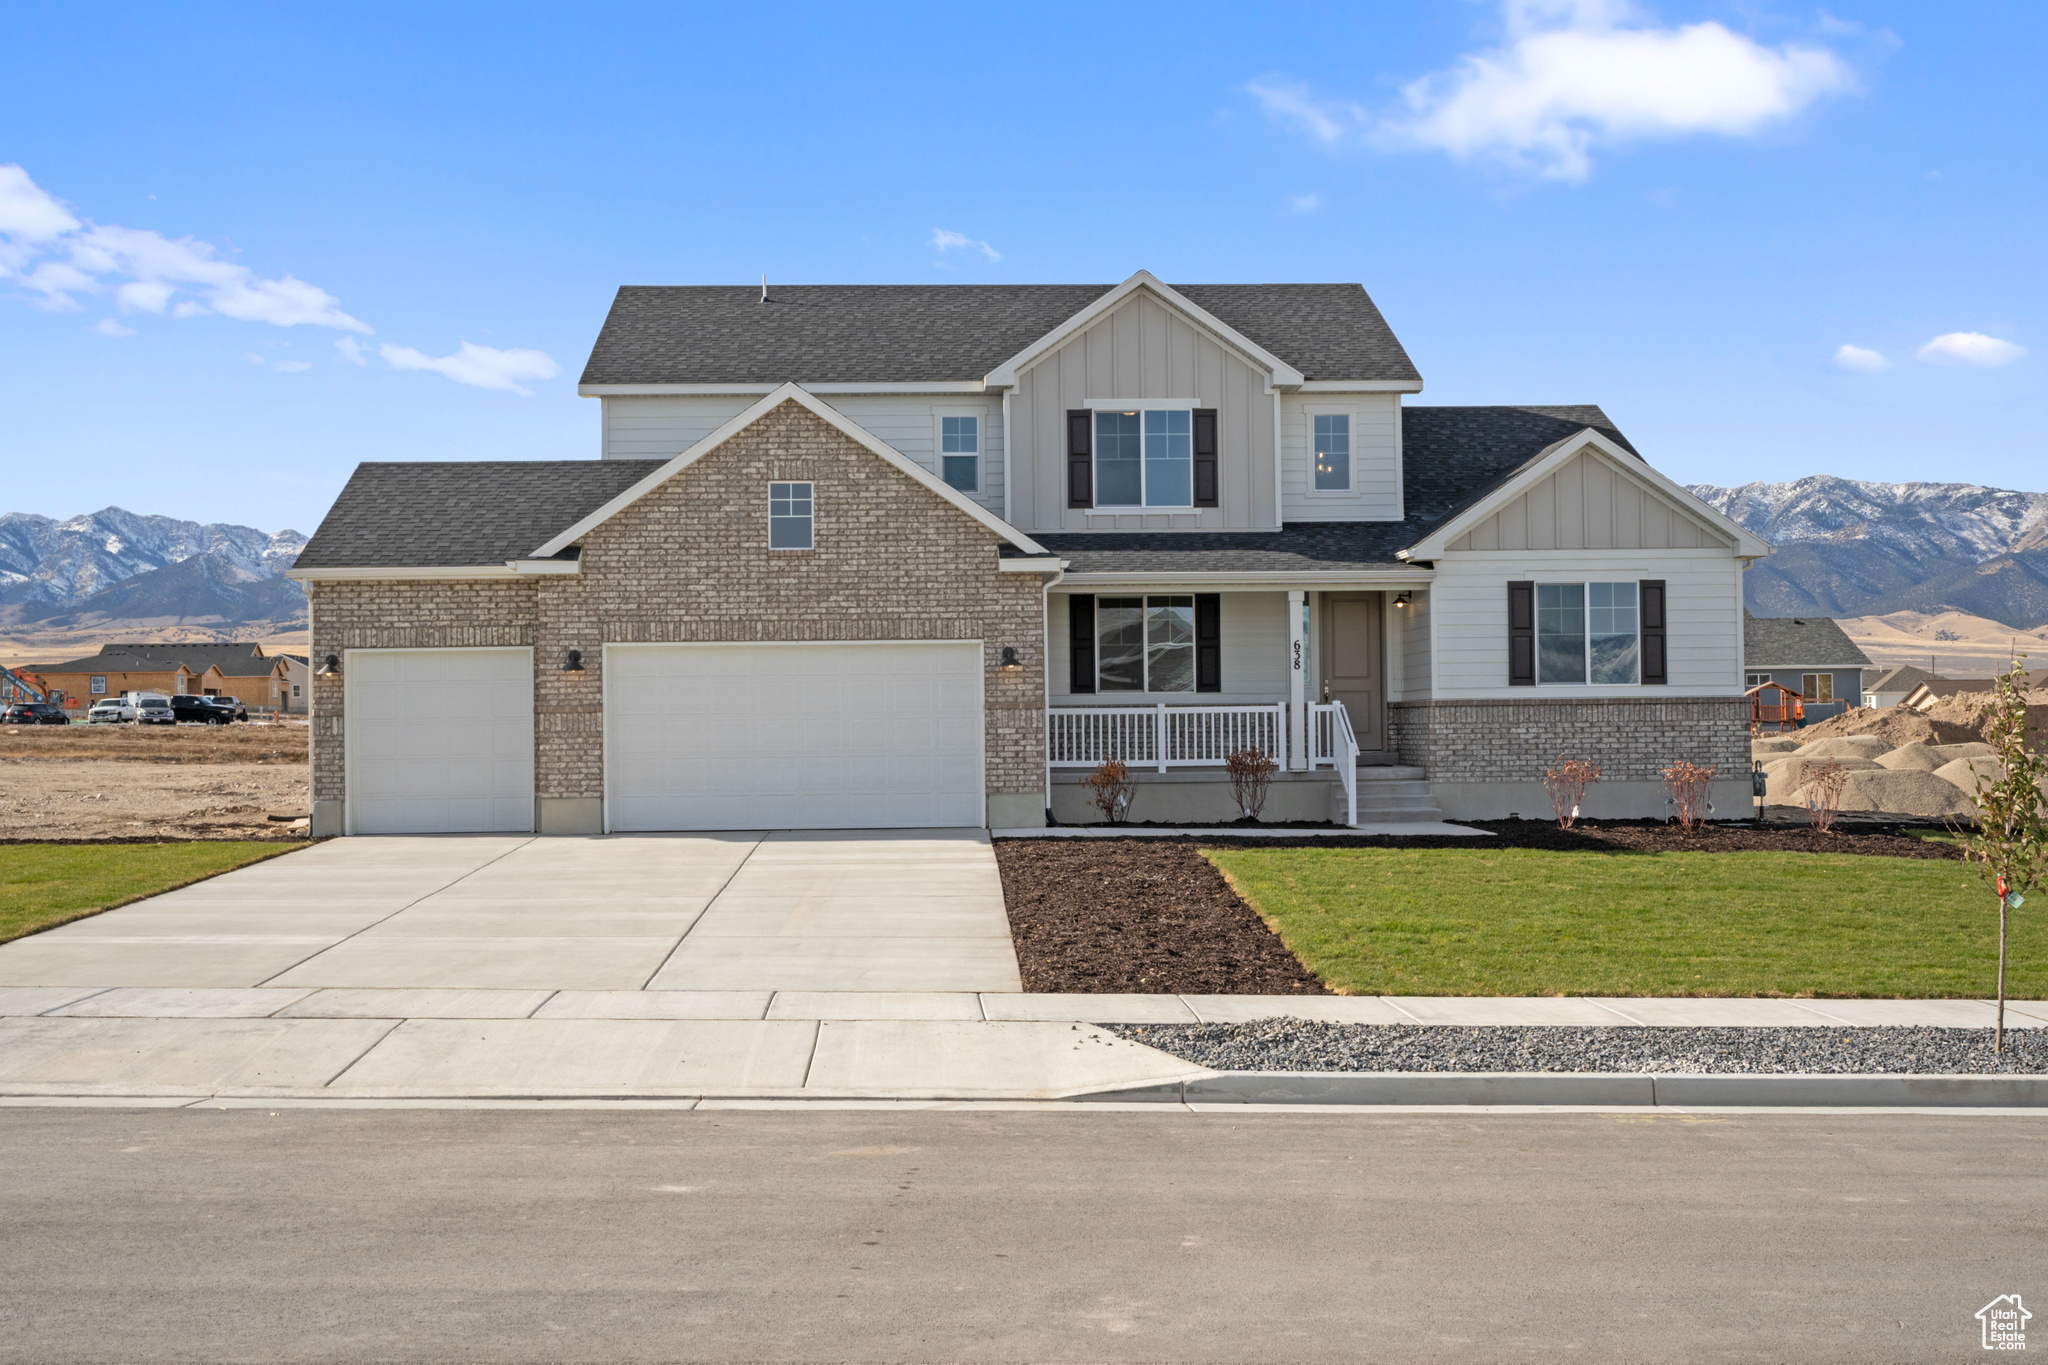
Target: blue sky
[(1682, 211)]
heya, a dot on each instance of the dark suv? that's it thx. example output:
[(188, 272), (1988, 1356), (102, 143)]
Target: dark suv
[(232, 707), (188, 707), (34, 713)]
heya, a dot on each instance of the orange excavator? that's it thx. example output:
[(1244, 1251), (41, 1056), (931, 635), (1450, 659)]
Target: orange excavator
[(22, 686)]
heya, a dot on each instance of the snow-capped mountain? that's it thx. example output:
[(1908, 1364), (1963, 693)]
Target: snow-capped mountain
[(1851, 548), (49, 563)]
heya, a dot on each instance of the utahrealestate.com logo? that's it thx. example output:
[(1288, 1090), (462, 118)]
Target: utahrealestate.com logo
[(2005, 1323)]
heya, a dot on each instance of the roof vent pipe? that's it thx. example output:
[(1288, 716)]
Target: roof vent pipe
[(764, 289)]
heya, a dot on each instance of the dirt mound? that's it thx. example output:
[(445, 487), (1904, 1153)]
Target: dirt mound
[(1847, 746), (1949, 753), (1783, 777), (1894, 724), (1905, 792), (1919, 758), (1775, 744)]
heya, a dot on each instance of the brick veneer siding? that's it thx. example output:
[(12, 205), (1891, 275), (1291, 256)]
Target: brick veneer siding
[(409, 614), (1632, 740), (690, 562)]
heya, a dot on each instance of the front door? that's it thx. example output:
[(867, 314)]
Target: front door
[(1353, 662)]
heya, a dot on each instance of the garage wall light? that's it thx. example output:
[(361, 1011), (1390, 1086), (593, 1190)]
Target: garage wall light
[(330, 667), (574, 663), (1010, 662)]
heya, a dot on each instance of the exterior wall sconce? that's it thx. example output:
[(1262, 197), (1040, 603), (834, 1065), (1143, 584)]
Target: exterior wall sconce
[(574, 663), (1400, 599), (330, 667), (1010, 663)]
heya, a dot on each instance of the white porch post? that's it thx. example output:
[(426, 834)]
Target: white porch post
[(1297, 680)]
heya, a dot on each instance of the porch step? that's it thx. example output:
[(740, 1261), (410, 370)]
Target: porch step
[(1388, 800), (1389, 772)]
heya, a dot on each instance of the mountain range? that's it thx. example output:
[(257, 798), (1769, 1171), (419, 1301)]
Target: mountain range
[(1850, 548), (117, 566)]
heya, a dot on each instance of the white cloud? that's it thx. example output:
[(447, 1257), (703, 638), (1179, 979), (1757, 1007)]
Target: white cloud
[(1971, 348), (27, 212), (351, 350), (1575, 74), (107, 327), (1859, 358), (946, 241), (253, 358), (485, 367), (1305, 203), (292, 366)]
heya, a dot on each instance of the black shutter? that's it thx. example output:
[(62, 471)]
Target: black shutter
[(1521, 635), (1651, 600), (1080, 462), (1205, 457), (1208, 640), (1081, 642)]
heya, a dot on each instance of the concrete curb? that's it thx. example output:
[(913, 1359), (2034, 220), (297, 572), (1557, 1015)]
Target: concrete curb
[(1558, 1088)]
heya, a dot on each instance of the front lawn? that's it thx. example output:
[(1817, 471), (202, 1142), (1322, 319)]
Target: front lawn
[(1510, 921), (46, 884)]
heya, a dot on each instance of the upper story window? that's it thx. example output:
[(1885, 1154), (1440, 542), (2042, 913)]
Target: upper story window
[(1587, 632), (789, 516), (1756, 679), (1145, 458), (1145, 644), (960, 452), (1333, 452)]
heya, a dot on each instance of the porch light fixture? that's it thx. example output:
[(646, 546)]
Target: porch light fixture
[(330, 667), (574, 663), (1010, 662), (1400, 599)]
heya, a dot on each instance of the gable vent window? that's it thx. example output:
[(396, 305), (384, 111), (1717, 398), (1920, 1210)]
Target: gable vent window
[(789, 516), (960, 452), (1333, 452), (1145, 459)]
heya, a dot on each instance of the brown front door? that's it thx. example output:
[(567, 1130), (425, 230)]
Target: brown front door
[(1354, 661)]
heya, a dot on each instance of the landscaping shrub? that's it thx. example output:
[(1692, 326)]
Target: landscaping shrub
[(1567, 784), (1685, 783), (1251, 778), (1110, 785)]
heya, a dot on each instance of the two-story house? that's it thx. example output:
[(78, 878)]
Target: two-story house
[(873, 556)]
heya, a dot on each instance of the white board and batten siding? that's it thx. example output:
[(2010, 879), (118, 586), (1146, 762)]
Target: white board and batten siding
[(1587, 503), (1142, 351), (1375, 492), (663, 426), (460, 765), (1253, 626), (852, 735)]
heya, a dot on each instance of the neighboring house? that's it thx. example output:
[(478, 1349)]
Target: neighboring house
[(298, 684), (924, 555), (1933, 690), (232, 670), (1807, 654), (1892, 686)]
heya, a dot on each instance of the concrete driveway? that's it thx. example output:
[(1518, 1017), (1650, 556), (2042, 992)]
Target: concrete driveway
[(867, 911)]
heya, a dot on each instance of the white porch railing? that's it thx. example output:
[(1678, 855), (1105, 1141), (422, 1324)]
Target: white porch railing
[(1162, 736), (1333, 744)]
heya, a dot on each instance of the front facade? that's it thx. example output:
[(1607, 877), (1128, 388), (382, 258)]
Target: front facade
[(925, 556), (241, 671)]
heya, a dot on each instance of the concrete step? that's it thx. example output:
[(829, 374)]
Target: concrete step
[(1388, 772), (1405, 799)]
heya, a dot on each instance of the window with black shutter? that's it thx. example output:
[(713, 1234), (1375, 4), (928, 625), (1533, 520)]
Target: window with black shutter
[(1521, 635), (1080, 461), (1208, 637), (1651, 595), (1205, 457), (1081, 642)]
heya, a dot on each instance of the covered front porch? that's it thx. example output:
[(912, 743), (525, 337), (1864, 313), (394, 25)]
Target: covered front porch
[(1171, 677)]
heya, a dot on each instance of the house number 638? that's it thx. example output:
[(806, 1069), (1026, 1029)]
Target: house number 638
[(1297, 656)]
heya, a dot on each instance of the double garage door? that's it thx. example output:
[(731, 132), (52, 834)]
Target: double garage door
[(698, 736)]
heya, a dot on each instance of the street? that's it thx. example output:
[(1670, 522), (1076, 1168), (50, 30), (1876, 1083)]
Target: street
[(332, 1234)]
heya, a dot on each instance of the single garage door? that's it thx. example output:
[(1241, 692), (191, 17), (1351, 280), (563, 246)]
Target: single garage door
[(439, 740), (793, 736)]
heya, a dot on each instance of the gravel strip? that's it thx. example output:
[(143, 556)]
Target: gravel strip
[(1310, 1045)]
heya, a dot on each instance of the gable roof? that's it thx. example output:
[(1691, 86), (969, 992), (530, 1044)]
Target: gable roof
[(1903, 678), (1792, 641), (947, 333), (245, 660)]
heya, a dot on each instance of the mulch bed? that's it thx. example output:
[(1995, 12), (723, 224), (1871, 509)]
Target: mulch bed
[(1149, 916)]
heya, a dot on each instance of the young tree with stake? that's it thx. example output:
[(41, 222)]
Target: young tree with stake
[(2011, 839)]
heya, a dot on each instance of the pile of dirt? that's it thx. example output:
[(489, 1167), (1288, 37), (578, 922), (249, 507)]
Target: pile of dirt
[(1149, 916), (281, 742), (1898, 727)]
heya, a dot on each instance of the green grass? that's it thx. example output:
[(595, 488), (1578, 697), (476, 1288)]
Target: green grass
[(1529, 922), (46, 884)]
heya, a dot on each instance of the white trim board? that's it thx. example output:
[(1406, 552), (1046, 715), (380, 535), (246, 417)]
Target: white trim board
[(790, 393), (1279, 370)]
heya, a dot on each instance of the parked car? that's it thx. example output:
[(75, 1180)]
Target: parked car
[(34, 713), (186, 706), (109, 711), (233, 706), (154, 709)]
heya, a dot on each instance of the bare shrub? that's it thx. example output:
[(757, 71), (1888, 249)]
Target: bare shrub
[(1251, 778), (1111, 790), (1824, 794), (1685, 786), (1567, 784)]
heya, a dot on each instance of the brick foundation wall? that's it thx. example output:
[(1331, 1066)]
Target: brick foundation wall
[(689, 562), (1515, 741)]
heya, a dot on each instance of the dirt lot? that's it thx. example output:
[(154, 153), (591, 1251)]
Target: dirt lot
[(158, 782)]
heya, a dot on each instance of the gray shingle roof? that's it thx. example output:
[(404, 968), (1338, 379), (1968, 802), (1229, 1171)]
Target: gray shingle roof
[(1450, 458), (245, 660), (1789, 641), (461, 512), (936, 333)]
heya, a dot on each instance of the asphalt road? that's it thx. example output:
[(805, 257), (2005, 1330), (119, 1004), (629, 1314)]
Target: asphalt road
[(439, 1235)]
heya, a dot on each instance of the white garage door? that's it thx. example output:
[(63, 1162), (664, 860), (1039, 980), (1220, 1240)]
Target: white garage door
[(792, 736), (439, 740)]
